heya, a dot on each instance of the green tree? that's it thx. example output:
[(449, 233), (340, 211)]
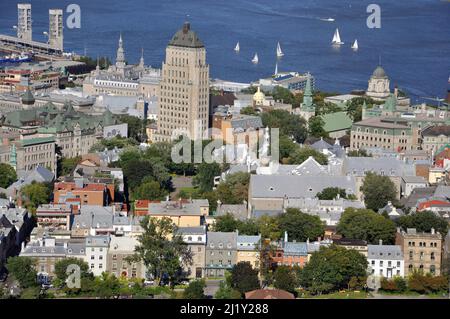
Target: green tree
[(315, 127), (195, 290), (234, 190), (358, 153), (269, 227), (301, 226), (226, 223), (7, 175), (136, 127), (423, 222), (367, 225), (285, 279), (244, 278), (161, 255), (149, 190), (331, 268), (378, 191), (248, 110), (67, 165), (287, 146), (290, 125), (301, 154), (226, 292), (204, 179), (281, 93), (330, 193), (35, 194), (62, 265), (23, 270)]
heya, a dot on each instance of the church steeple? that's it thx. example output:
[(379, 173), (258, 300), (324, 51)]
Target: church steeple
[(13, 157), (141, 61), (307, 94), (120, 58)]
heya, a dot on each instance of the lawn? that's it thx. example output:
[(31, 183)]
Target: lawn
[(339, 295)]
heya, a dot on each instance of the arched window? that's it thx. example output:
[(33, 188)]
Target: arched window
[(433, 269), (432, 256)]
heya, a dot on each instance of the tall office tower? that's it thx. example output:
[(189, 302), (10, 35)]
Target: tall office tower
[(55, 34), (24, 21), (184, 88)]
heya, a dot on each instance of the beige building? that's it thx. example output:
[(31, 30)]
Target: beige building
[(184, 88), (119, 249), (383, 133), (27, 152), (435, 137), (182, 213), (195, 238), (248, 250), (421, 251)]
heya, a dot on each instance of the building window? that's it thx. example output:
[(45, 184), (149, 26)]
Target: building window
[(433, 269)]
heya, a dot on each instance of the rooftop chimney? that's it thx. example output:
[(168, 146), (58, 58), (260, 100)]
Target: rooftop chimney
[(433, 231), (380, 242), (285, 237)]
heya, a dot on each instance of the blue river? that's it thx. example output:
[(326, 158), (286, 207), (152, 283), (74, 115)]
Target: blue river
[(413, 41)]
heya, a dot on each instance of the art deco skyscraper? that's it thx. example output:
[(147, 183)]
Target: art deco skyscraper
[(184, 88)]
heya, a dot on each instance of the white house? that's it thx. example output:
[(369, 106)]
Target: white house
[(385, 260), (96, 253)]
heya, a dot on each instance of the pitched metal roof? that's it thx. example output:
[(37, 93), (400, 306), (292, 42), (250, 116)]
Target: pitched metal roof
[(293, 186)]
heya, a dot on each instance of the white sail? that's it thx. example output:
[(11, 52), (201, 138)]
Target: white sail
[(255, 58), (276, 69), (336, 38), (237, 47), (355, 45), (279, 52)]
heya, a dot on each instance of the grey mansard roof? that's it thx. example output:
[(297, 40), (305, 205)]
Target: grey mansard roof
[(185, 37), (293, 186), (387, 252), (359, 166)]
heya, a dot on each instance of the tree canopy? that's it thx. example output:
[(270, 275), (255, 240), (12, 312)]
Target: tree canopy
[(315, 127), (330, 193), (161, 249), (423, 222), (332, 268), (367, 225), (301, 226), (378, 191), (244, 278), (35, 194), (7, 175), (206, 172), (290, 125), (22, 269), (195, 290)]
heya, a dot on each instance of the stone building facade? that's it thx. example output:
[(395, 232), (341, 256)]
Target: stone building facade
[(421, 251)]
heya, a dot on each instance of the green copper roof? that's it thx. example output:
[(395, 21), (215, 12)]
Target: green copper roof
[(390, 104), (37, 140), (185, 37), (52, 120), (27, 97), (336, 121)]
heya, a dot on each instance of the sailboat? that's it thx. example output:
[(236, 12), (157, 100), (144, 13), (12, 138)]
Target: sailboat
[(355, 45), (237, 47), (255, 59), (279, 52), (276, 69), (336, 38)]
